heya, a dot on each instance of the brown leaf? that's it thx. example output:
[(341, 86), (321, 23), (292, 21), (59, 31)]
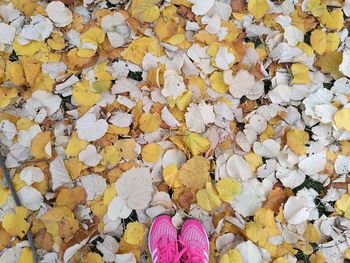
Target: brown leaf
[(43, 240), (183, 197), (71, 198), (186, 12), (238, 5), (274, 200), (67, 227), (79, 236)]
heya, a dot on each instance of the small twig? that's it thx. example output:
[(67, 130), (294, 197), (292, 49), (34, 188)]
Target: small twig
[(18, 203)]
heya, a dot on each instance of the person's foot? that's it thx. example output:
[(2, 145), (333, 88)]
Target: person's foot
[(194, 242), (162, 241)]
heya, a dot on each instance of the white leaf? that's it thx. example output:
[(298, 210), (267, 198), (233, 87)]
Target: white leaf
[(94, 185), (194, 121), (313, 164), (293, 35), (174, 156), (30, 197), (31, 175), (268, 148), (59, 174), (135, 186), (297, 210), (91, 129), (121, 119), (89, 156), (344, 67), (174, 85), (7, 35), (201, 7), (118, 208), (250, 253), (224, 58), (8, 129), (39, 29), (59, 13), (244, 84), (168, 118), (290, 178), (341, 165), (252, 194), (238, 168), (108, 248), (125, 258)]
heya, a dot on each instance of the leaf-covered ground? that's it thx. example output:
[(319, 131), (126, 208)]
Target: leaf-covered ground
[(233, 112)]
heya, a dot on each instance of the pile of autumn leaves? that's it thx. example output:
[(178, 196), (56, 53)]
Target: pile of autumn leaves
[(93, 163)]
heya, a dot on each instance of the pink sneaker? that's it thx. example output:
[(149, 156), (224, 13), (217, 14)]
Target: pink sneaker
[(194, 242), (162, 241)]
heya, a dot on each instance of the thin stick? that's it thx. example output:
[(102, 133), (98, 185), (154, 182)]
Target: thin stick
[(18, 203)]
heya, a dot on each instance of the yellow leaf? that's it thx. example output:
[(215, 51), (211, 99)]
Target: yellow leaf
[(280, 260), (257, 8), (138, 48), (92, 257), (152, 152), (4, 193), (75, 145), (296, 140), (74, 167), (29, 49), (93, 35), (41, 145), (26, 256), (332, 42), (4, 239), (329, 63), (52, 218), (15, 224), (71, 198), (227, 189), (25, 6), (31, 71), (184, 100), (6, 95), (111, 155), (318, 41), (100, 86), (232, 256), (333, 20), (109, 194), (217, 82), (176, 39), (196, 143), (24, 124), (171, 176), (150, 122), (316, 7), (15, 73), (134, 233), (208, 198), (195, 172), (56, 40), (311, 234), (318, 257), (145, 10), (343, 204), (254, 160), (300, 74), (83, 95), (342, 119)]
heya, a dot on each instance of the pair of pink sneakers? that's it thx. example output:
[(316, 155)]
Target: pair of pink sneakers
[(192, 245)]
